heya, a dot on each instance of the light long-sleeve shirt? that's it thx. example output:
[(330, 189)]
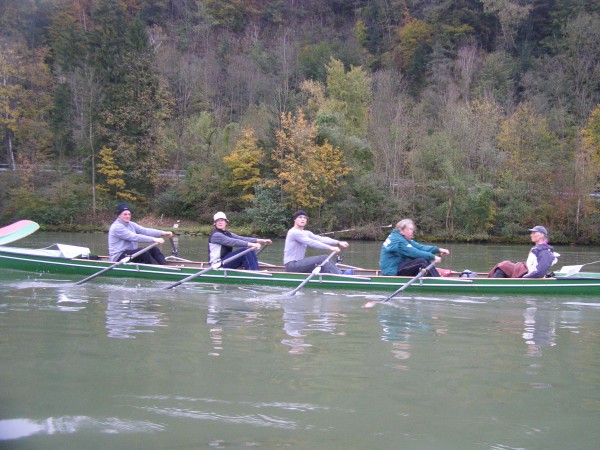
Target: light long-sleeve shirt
[(297, 241), (126, 236)]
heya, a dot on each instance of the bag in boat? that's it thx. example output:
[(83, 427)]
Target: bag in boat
[(468, 274)]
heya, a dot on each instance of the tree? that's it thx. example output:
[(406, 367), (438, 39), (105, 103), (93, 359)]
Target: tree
[(415, 39), (25, 103), (391, 132), (349, 94), (308, 173), (244, 164), (590, 136), (137, 103), (580, 56), (114, 177), (534, 168), (510, 15)]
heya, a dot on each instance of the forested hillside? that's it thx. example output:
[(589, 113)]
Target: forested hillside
[(476, 118)]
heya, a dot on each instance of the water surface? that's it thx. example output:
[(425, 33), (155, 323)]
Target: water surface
[(124, 364)]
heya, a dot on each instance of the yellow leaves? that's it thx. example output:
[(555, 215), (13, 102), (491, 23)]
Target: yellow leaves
[(527, 140), (591, 133), (590, 136), (414, 36), (308, 172), (114, 176), (244, 163)]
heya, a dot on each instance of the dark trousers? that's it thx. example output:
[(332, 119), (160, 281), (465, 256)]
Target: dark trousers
[(249, 261), (412, 267), (152, 256), (307, 265)]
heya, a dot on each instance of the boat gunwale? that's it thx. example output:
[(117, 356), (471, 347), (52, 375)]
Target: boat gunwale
[(286, 279)]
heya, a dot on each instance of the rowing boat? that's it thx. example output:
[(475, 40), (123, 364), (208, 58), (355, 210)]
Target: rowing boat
[(76, 261)]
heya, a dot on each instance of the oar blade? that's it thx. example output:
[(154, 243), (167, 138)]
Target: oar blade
[(571, 270), (17, 230)]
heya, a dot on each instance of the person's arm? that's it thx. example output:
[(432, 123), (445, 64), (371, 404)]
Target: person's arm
[(151, 231), (307, 238), (326, 240), (413, 250), (233, 241), (140, 234)]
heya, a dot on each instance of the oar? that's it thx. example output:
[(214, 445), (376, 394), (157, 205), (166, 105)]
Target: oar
[(315, 271), (407, 284), (572, 270), (355, 229), (213, 267), (261, 250), (118, 263), (175, 244), (417, 276), (350, 267), (17, 230)]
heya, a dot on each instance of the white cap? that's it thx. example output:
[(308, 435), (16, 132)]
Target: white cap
[(220, 215)]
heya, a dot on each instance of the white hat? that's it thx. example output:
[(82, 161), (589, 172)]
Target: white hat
[(220, 215)]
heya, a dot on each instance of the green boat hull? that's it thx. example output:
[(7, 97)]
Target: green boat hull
[(28, 261)]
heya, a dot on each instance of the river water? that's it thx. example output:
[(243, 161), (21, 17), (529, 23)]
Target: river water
[(124, 364)]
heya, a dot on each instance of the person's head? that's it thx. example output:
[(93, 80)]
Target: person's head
[(123, 212), (220, 220), (406, 227), (300, 218), (538, 234)]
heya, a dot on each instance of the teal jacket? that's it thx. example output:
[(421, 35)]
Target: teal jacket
[(397, 249)]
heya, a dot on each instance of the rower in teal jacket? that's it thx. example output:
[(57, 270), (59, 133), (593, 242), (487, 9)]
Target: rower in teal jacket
[(400, 255)]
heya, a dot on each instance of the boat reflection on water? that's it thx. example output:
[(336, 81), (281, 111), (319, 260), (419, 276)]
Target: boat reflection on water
[(402, 326), (128, 314), (301, 318), (219, 317), (539, 328)]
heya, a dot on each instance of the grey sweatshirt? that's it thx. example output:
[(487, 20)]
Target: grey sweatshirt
[(125, 236), (297, 241)]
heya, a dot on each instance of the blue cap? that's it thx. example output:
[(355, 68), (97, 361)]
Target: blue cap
[(539, 229)]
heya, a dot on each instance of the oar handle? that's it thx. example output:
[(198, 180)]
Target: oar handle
[(262, 249), (118, 263), (175, 245), (215, 266), (408, 283)]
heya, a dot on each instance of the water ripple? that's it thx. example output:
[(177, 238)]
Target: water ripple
[(259, 420), (11, 429)]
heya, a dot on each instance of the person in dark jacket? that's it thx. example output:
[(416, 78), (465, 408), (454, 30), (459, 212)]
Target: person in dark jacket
[(541, 257), (221, 244), (402, 256)]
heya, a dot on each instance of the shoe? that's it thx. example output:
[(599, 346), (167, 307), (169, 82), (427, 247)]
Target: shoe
[(348, 272)]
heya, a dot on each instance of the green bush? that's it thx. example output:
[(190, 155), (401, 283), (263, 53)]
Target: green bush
[(268, 217)]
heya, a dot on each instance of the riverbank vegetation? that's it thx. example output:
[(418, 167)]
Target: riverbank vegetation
[(477, 118)]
